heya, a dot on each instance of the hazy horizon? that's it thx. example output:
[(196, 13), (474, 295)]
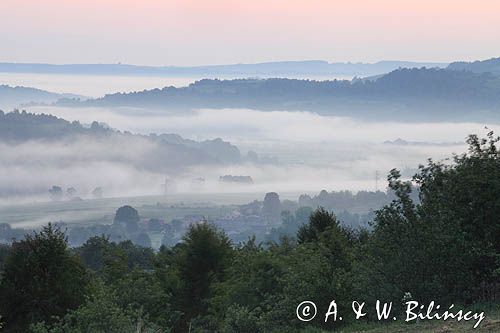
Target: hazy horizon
[(224, 31)]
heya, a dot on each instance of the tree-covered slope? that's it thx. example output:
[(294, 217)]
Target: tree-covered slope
[(404, 94), (158, 150), (480, 66), (11, 97)]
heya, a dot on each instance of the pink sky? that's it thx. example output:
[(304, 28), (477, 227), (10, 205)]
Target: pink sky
[(188, 32)]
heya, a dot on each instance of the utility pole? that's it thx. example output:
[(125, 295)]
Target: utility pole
[(166, 185)]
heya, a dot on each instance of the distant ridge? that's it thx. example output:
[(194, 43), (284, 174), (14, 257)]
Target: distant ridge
[(480, 66), (278, 68), (403, 94), (12, 97)]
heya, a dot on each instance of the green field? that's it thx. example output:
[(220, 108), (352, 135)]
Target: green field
[(32, 215), (490, 324)]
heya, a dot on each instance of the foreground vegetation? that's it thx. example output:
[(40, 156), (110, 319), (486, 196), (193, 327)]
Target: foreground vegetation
[(445, 247)]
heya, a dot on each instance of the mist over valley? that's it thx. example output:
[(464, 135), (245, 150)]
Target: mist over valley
[(134, 145), (205, 149)]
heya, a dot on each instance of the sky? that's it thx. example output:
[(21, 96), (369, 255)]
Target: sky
[(189, 32)]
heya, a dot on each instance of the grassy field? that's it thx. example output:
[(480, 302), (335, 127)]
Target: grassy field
[(32, 215), (490, 324)]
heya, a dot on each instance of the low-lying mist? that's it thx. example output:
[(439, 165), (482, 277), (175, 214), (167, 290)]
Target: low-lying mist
[(298, 152), (243, 125)]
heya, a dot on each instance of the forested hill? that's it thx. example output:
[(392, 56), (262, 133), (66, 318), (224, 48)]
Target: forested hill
[(11, 97), (403, 94), (163, 150), (485, 66)]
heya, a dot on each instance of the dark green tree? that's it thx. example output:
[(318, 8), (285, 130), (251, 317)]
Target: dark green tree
[(446, 245), (202, 260), (100, 313), (41, 279), (319, 221), (128, 216)]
